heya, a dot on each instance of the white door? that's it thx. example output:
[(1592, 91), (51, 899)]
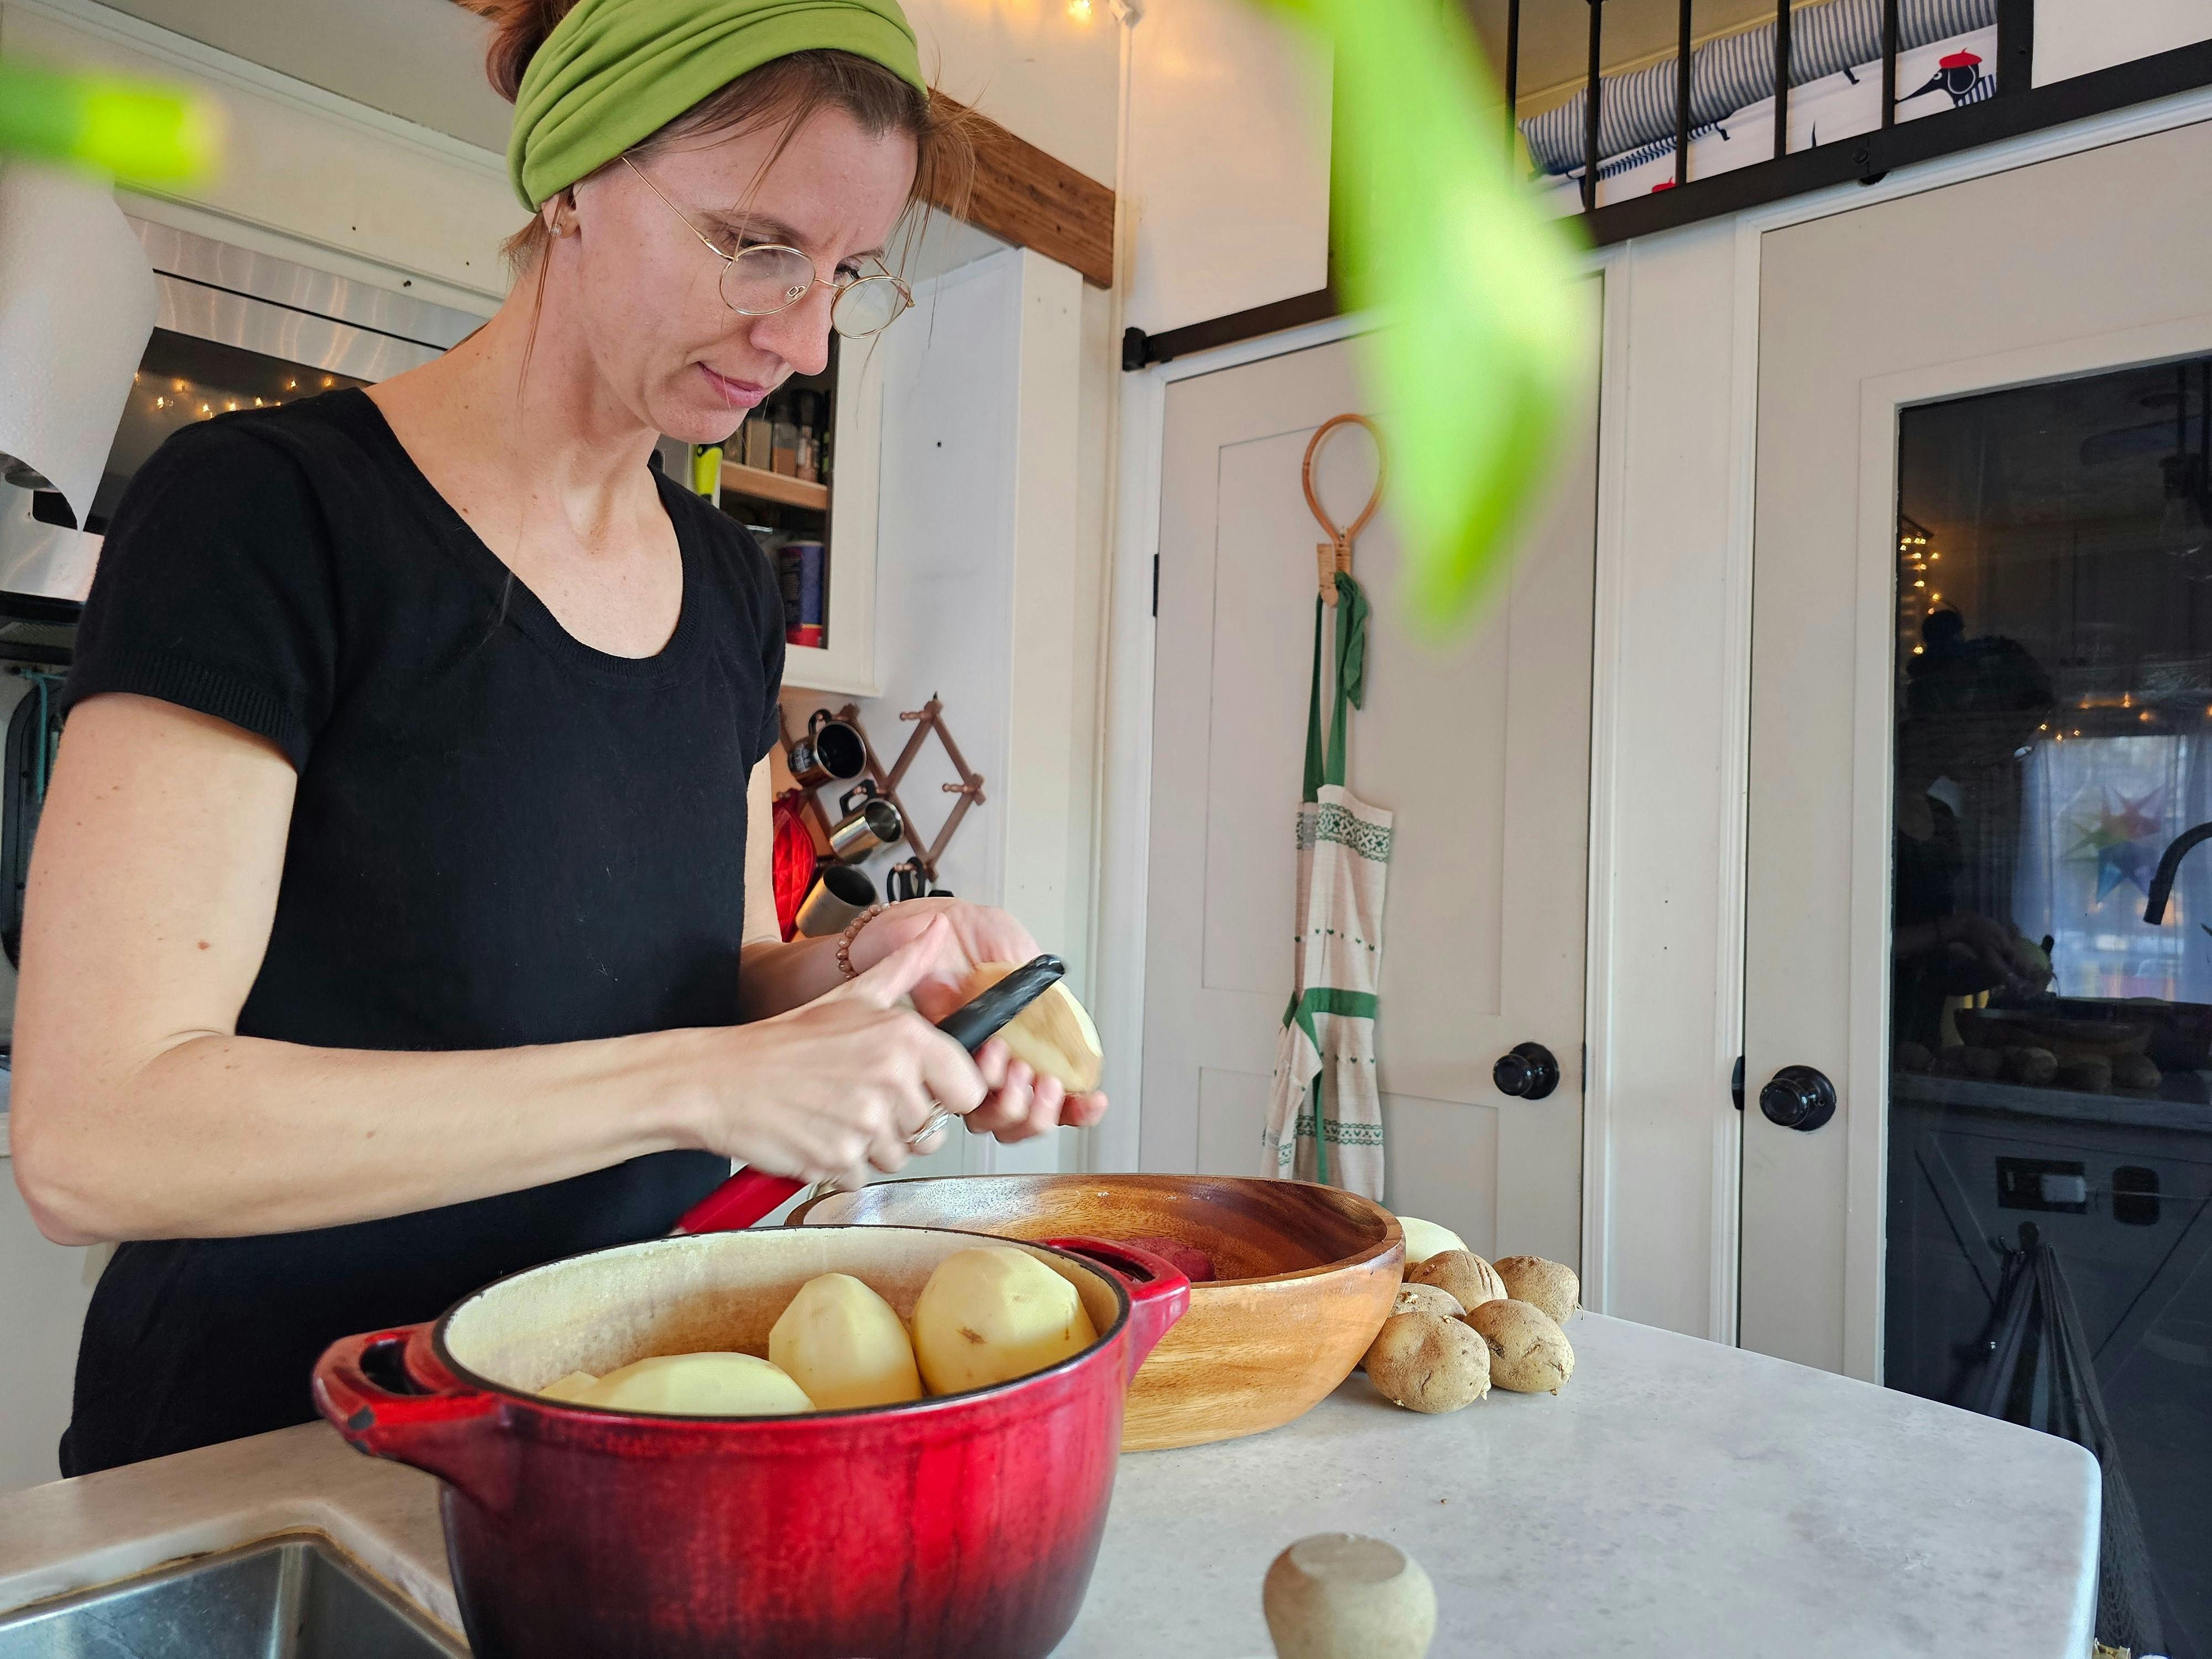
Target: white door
[(1982, 715), (1480, 750)]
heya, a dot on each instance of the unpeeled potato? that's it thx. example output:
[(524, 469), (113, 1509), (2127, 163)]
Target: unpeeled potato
[(1528, 1351), (1470, 1279), (993, 1312), (1426, 1362), (1425, 1239), (1052, 1036), (1426, 1298), (699, 1385), (843, 1346), (1551, 1286)]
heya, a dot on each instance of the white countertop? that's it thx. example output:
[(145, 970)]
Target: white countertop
[(1678, 1498)]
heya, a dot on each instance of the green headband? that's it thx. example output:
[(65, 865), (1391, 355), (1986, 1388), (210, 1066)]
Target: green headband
[(614, 72)]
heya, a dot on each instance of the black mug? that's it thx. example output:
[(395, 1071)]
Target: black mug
[(908, 880), (832, 752)]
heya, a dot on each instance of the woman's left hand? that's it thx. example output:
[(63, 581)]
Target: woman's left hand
[(1021, 1104)]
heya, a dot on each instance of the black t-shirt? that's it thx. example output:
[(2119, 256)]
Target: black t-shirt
[(501, 836)]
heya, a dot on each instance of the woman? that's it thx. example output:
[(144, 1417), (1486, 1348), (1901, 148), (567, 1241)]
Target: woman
[(385, 930)]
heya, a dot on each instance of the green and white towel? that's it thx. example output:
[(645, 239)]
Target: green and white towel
[(1324, 1109)]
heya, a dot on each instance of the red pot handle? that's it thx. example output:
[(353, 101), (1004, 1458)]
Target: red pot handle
[(1159, 1294), (433, 1428), (739, 1202)]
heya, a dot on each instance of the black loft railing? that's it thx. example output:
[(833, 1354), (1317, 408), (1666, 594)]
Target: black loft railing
[(2015, 106)]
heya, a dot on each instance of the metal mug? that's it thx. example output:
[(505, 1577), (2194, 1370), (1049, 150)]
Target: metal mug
[(870, 821), (832, 752), (839, 894)]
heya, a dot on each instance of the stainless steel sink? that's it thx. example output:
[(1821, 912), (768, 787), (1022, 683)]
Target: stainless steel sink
[(291, 1597)]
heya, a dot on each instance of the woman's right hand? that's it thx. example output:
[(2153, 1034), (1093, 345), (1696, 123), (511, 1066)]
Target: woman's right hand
[(844, 1080)]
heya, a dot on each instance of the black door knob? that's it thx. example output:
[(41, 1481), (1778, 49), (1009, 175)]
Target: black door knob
[(1798, 1098), (1529, 1071)]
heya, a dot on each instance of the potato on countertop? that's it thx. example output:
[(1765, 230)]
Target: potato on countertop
[(1470, 1279), (1427, 1298), (1427, 1362), (1528, 1353), (1551, 1286)]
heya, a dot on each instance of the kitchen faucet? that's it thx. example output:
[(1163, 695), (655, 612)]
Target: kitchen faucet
[(2161, 885)]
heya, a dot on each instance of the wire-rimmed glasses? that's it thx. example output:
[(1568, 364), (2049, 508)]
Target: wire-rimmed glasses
[(767, 278)]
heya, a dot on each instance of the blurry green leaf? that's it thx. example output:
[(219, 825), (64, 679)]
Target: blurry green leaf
[(1487, 347), (138, 131)]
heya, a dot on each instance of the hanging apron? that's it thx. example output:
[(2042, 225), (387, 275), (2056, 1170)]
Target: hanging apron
[(1324, 1110)]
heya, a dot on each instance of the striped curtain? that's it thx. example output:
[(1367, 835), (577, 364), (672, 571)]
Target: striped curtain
[(1637, 108)]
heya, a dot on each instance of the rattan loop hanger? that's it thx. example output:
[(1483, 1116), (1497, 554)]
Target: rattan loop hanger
[(1335, 554)]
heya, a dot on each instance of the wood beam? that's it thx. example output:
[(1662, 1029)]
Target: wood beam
[(1022, 196)]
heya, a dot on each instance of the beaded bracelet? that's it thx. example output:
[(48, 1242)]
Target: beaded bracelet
[(853, 932)]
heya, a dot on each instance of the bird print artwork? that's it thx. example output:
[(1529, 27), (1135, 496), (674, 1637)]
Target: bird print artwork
[(1959, 74)]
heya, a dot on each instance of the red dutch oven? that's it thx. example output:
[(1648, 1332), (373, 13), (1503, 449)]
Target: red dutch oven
[(964, 1525)]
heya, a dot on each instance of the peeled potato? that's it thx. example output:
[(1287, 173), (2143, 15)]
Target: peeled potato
[(570, 1386), (1425, 1239), (699, 1385), (1528, 1351), (993, 1312), (1052, 1036), (843, 1346), (1470, 1279), (1426, 1362), (1551, 1286)]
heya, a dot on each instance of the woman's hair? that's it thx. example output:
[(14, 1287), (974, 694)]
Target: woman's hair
[(787, 91)]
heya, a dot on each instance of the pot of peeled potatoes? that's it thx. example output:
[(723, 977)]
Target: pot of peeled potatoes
[(813, 1442)]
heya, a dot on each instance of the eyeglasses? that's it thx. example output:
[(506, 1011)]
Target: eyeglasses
[(769, 278)]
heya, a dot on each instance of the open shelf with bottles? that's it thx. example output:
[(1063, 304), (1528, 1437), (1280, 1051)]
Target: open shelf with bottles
[(749, 483)]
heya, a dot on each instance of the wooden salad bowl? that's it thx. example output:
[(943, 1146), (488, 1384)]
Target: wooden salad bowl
[(1304, 1278)]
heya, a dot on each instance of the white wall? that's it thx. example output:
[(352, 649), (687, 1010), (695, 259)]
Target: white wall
[(1226, 181), (2073, 37), (1666, 999), (1046, 70)]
